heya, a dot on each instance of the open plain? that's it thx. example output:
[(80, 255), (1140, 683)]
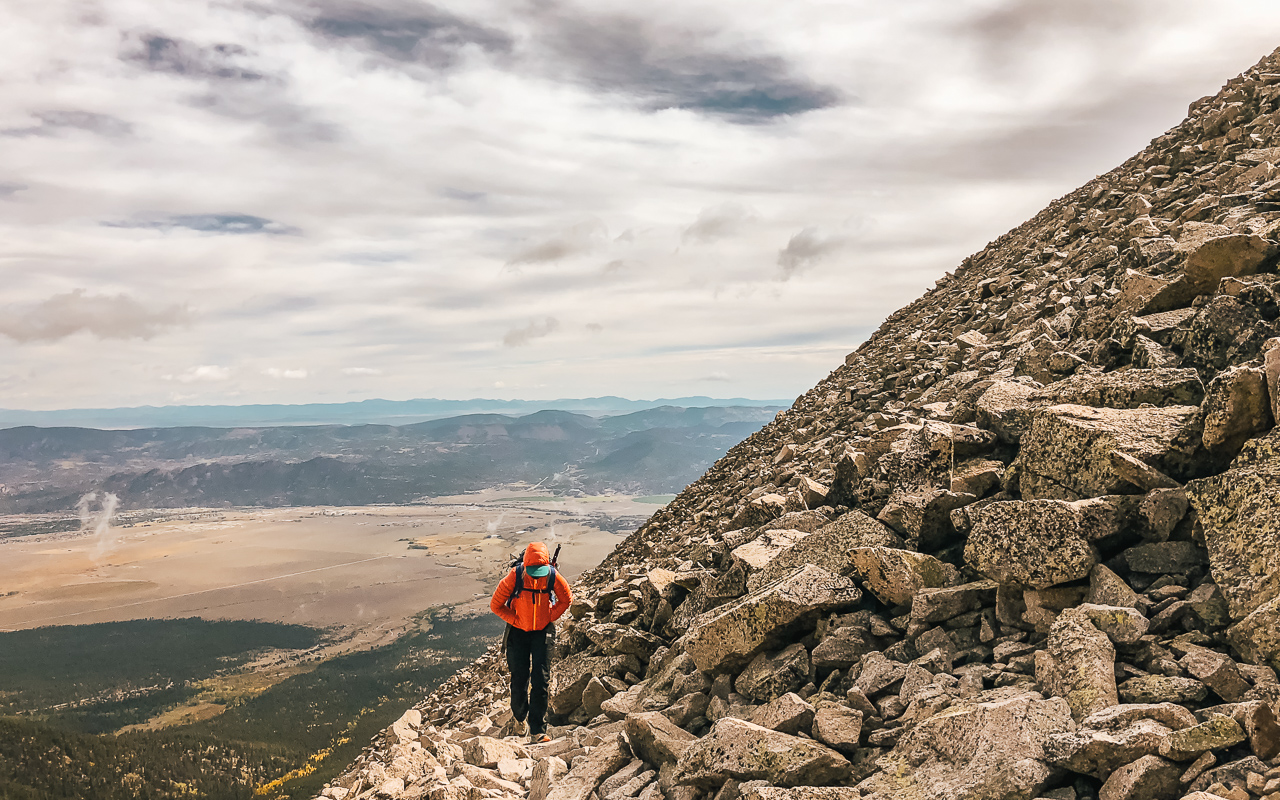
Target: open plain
[(360, 572)]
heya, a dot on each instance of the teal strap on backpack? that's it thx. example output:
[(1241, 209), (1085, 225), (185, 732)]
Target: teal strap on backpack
[(551, 582)]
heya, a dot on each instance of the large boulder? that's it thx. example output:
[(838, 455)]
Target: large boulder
[(590, 771), (786, 714), (1078, 664), (656, 739), (1116, 736), (1226, 330), (1041, 543), (757, 554), (484, 751), (742, 751), (1216, 733), (1230, 256), (1006, 408), (1217, 671), (769, 676), (1009, 407), (940, 605), (1129, 388), (1240, 513), (1257, 636), (1067, 453), (733, 634), (992, 749), (570, 676), (1236, 409), (923, 516), (618, 639), (829, 547), (842, 648), (895, 576), (839, 727), (1148, 778)]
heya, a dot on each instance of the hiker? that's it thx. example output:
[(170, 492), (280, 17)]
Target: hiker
[(530, 599)]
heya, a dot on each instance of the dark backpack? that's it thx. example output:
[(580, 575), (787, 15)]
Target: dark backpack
[(518, 565)]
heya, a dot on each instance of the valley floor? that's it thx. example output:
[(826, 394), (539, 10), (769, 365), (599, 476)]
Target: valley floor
[(362, 572)]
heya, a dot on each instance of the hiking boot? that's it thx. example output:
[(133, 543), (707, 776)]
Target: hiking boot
[(540, 737), (516, 727)]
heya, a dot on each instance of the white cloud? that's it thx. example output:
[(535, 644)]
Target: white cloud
[(807, 248), (361, 371), (536, 329), (205, 373), (103, 316), (285, 374), (583, 237), (718, 222)]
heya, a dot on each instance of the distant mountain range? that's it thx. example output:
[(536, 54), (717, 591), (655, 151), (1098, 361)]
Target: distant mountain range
[(387, 412), (653, 451)]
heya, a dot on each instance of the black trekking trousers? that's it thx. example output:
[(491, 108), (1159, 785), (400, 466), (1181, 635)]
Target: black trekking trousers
[(529, 657)]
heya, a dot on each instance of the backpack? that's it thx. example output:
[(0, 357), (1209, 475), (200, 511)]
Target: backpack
[(518, 566)]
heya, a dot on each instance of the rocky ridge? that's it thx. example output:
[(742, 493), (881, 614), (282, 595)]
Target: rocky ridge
[(1024, 543)]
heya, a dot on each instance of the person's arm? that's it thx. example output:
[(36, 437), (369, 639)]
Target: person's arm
[(563, 598), (498, 604)]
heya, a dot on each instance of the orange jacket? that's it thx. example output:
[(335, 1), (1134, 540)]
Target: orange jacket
[(531, 611)]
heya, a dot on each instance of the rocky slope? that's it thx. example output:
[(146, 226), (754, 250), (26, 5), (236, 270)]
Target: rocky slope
[(1024, 543)]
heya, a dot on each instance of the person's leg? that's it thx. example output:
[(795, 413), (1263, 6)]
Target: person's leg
[(518, 662), (540, 662)]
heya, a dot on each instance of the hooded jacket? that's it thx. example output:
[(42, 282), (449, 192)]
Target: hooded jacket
[(531, 611)]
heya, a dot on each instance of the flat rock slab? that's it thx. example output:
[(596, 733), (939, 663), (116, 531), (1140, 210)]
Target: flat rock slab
[(800, 793), (1090, 751), (1162, 689), (757, 554), (1125, 389), (1217, 733), (940, 605), (974, 750), (746, 752), (830, 546), (1067, 453), (1240, 513), (895, 576), (733, 634)]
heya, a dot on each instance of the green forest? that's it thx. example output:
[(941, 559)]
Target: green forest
[(309, 726)]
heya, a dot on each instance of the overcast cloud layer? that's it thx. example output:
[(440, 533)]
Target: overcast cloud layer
[(233, 201)]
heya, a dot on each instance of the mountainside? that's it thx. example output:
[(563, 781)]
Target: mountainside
[(646, 452), (1024, 543)]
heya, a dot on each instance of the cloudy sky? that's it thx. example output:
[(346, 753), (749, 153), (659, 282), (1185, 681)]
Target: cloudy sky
[(235, 201)]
